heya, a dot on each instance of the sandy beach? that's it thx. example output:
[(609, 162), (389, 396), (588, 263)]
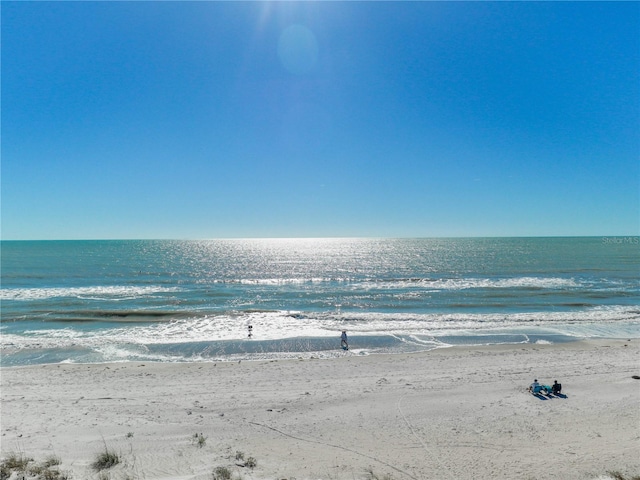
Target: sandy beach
[(455, 413)]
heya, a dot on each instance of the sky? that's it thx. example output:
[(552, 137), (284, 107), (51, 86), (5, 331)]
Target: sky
[(319, 119)]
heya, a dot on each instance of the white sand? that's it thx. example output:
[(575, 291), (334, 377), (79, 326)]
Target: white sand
[(457, 413)]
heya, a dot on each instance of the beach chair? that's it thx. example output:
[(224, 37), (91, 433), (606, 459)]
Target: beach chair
[(537, 390)]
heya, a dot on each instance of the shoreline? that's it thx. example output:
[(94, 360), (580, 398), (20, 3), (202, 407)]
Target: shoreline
[(456, 412), (258, 349)]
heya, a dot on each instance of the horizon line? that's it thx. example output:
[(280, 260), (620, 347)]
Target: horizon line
[(346, 237)]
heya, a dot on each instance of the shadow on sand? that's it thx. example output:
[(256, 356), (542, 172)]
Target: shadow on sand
[(549, 396)]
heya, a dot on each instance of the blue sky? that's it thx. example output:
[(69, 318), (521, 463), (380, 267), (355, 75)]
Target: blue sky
[(301, 119)]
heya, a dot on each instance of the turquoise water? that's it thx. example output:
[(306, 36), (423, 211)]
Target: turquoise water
[(95, 301)]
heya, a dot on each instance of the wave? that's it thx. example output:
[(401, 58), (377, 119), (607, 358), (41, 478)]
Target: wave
[(420, 282), (113, 316), (288, 281), (94, 293), (478, 283), (279, 334), (273, 325), (129, 292)]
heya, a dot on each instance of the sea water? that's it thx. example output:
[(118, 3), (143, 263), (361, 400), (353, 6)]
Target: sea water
[(98, 301)]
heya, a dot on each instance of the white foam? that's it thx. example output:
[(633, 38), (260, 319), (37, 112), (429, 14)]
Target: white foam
[(287, 281), (476, 283), (96, 292), (613, 321)]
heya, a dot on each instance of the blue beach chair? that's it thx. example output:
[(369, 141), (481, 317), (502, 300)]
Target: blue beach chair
[(537, 389)]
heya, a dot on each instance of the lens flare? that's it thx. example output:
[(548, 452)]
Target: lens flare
[(298, 49)]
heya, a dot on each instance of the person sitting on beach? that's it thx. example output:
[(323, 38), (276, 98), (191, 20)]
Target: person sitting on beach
[(343, 340), (535, 387), (556, 388)]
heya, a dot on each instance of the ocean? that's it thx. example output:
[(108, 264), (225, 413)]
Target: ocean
[(188, 301)]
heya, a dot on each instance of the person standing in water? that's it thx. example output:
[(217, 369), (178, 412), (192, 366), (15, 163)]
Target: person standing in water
[(343, 340)]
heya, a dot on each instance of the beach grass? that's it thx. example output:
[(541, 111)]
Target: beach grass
[(371, 475), (16, 462), (199, 440), (26, 467), (615, 475), (105, 460), (221, 473)]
